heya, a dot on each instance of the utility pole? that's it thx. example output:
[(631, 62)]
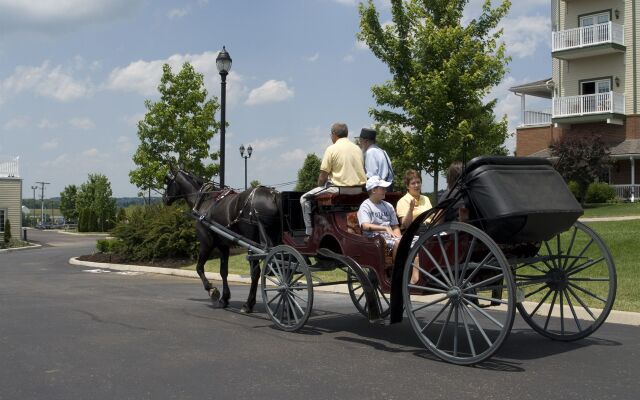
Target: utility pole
[(42, 201), (33, 207)]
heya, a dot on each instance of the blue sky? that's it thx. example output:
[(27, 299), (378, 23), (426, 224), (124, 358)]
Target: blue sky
[(74, 75)]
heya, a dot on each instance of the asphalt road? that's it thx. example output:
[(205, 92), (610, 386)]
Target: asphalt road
[(67, 332)]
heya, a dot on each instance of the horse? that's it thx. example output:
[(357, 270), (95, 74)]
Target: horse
[(253, 214)]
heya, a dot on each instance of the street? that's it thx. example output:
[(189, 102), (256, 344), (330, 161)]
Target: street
[(70, 332)]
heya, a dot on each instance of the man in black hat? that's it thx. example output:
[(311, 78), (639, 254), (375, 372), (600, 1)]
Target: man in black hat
[(376, 160)]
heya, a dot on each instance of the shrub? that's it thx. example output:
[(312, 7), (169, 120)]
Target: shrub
[(7, 230), (108, 245), (599, 192), (575, 190), (156, 231)]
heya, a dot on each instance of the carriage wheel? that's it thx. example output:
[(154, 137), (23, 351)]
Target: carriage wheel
[(359, 299), (287, 289), (569, 287), (462, 307)]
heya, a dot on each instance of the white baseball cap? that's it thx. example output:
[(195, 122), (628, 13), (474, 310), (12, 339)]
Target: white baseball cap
[(376, 181)]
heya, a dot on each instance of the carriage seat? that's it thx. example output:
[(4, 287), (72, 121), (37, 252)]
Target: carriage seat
[(346, 196), (353, 226)]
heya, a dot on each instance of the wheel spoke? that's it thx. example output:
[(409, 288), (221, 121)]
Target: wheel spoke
[(541, 288), (293, 302), (491, 299), (586, 308), (433, 260), (475, 321), (455, 258), (541, 302), (436, 317), (573, 311), (561, 312), (573, 237), (485, 282), (584, 266), (468, 258), (478, 268), (486, 314), (466, 328), (272, 281), (546, 244), (274, 298), (455, 331), (587, 292), (446, 260), (438, 300), (445, 325), (427, 289), (580, 255), (590, 279), (553, 303)]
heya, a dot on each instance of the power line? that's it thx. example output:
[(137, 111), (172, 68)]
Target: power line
[(42, 201)]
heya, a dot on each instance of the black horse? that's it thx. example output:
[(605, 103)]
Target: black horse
[(253, 214)]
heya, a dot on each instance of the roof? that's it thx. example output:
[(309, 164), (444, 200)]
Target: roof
[(628, 147), (546, 153), (542, 88)]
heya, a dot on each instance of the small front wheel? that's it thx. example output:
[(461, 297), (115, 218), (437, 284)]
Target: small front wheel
[(287, 288)]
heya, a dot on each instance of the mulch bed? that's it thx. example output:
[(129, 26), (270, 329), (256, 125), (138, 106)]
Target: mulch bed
[(115, 259)]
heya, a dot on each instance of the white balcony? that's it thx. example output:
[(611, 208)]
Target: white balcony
[(9, 167), (588, 37), (588, 104), (536, 118)]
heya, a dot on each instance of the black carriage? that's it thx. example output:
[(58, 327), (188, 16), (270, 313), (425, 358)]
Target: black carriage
[(521, 247)]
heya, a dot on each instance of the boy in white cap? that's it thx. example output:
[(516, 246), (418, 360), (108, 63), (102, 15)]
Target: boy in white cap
[(377, 217)]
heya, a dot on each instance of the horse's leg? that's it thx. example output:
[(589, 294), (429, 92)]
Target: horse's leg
[(224, 272), (255, 275), (203, 256)]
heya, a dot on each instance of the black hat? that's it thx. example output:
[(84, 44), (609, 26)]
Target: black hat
[(368, 134)]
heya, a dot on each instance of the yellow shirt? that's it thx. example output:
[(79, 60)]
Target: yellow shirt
[(344, 163), (402, 208)]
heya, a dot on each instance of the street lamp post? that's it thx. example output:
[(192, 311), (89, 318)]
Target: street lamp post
[(33, 209), (249, 151), (223, 63)]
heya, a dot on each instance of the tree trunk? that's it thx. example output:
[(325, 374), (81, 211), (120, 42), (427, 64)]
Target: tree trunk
[(436, 174)]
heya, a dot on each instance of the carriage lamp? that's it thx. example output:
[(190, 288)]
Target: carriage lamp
[(223, 63), (249, 151)]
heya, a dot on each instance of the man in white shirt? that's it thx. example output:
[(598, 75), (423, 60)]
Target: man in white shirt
[(376, 160)]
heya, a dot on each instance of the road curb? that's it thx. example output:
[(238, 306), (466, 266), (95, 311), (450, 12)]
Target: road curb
[(30, 246), (615, 317)]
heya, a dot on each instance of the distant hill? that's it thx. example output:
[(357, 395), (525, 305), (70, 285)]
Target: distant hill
[(121, 202)]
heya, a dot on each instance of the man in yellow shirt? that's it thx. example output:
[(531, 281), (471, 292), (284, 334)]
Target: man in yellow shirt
[(342, 165)]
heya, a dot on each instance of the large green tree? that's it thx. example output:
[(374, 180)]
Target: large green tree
[(432, 111), (308, 174), (68, 198), (176, 130), (95, 202)]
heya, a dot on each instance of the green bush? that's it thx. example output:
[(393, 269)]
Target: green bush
[(599, 192), (108, 245), (156, 232), (575, 190), (7, 230)]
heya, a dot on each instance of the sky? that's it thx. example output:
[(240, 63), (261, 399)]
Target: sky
[(74, 76)]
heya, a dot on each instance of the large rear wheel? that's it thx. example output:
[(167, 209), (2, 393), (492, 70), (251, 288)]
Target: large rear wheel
[(569, 287), (356, 292), (462, 307)]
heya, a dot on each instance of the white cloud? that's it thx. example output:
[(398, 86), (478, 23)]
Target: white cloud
[(266, 144), (82, 123), (524, 34), (61, 15), (132, 120), (61, 160), (92, 152), (271, 91), (46, 81), (347, 2), (124, 143), (349, 58), (294, 155), (46, 124), (314, 57), (143, 77), (178, 12), (20, 122), (51, 144), (360, 45)]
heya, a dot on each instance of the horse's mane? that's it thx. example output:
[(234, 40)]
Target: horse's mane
[(196, 180)]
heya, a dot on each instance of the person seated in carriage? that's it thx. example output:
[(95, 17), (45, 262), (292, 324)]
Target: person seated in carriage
[(342, 165), (459, 211), (377, 217)]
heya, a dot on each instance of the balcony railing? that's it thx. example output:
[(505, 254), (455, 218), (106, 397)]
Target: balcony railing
[(592, 35), (599, 103), (533, 118), (9, 167)]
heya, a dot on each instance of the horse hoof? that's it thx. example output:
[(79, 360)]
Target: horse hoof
[(214, 294), (246, 310)]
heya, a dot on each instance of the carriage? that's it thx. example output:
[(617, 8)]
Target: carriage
[(521, 248)]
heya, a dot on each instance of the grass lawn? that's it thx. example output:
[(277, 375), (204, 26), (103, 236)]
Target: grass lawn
[(621, 237), (612, 210)]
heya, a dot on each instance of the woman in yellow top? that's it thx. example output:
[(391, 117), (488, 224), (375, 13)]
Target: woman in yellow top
[(411, 205)]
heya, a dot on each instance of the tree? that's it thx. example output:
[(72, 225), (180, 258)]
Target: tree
[(7, 231), (68, 198), (254, 183), (308, 174), (432, 111), (580, 159), (95, 196), (176, 130)]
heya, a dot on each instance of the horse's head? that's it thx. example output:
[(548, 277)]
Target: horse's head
[(173, 190)]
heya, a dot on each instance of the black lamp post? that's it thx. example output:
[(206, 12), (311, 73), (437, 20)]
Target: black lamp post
[(223, 63), (249, 151)]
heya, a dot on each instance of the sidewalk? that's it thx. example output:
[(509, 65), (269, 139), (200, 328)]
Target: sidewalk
[(615, 317), (605, 219)]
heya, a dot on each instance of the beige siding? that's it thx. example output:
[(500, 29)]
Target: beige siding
[(11, 200), (593, 67), (575, 8)]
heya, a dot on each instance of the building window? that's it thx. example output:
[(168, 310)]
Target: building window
[(595, 86), (3, 214)]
